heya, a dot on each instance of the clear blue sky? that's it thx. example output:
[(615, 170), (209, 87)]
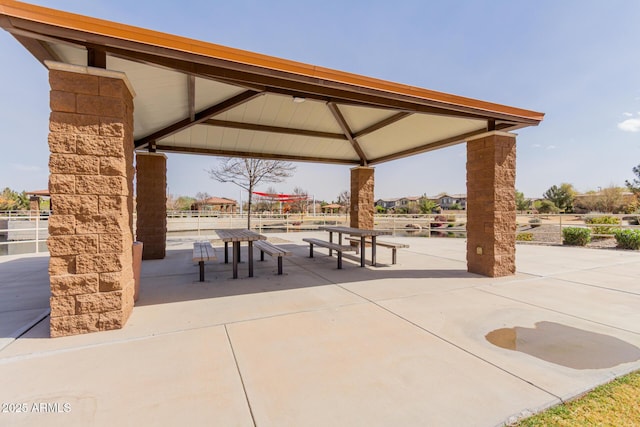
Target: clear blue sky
[(578, 61)]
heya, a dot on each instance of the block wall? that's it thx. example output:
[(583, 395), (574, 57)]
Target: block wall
[(151, 204), (491, 205), (91, 186), (362, 209)]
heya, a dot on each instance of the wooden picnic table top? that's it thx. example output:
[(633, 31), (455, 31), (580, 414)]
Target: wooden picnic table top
[(239, 235), (355, 231)]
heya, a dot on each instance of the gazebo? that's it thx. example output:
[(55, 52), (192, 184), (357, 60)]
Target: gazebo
[(119, 92)]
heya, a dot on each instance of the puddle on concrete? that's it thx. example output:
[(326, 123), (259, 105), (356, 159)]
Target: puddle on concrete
[(566, 346)]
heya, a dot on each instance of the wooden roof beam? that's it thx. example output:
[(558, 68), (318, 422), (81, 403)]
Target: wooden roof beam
[(347, 132), (254, 155), (274, 129), (199, 117)]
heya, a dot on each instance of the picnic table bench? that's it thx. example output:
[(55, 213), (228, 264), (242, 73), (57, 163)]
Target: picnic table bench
[(392, 245), (271, 250), (331, 246), (203, 252)]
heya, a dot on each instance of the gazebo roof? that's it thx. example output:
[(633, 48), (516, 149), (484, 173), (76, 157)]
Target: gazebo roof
[(198, 97)]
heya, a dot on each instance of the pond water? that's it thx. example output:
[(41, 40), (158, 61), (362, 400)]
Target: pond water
[(565, 345)]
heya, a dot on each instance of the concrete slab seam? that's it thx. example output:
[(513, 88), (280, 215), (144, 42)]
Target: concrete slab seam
[(244, 388), (559, 312), (457, 346), (24, 329)]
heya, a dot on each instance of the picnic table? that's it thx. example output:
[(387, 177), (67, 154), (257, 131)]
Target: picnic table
[(359, 232), (236, 236)]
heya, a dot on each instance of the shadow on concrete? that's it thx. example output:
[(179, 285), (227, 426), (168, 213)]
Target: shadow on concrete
[(175, 278), (24, 295)]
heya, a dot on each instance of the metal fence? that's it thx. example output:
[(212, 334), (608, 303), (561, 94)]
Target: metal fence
[(27, 231), (23, 232)]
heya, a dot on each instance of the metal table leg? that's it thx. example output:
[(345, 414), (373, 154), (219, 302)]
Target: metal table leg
[(362, 248), (373, 250), (250, 255), (236, 255)]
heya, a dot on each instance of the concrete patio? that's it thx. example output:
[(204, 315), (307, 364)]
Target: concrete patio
[(394, 345)]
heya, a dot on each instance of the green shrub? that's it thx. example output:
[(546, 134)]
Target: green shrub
[(524, 237), (535, 222), (628, 239), (576, 236), (603, 220)]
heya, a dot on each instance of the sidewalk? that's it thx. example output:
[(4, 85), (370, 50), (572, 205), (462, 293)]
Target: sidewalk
[(393, 345)]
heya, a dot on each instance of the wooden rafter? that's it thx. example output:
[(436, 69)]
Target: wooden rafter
[(254, 155), (191, 96), (199, 117), (383, 123), (274, 129), (437, 144), (347, 132)]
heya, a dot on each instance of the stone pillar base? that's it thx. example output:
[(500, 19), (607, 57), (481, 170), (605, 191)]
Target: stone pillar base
[(491, 206), (362, 202), (151, 204), (91, 187)]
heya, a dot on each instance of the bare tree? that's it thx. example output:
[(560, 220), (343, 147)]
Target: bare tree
[(300, 202), (247, 173), (344, 199)]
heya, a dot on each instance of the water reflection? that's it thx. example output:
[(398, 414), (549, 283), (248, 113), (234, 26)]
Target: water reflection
[(566, 346)]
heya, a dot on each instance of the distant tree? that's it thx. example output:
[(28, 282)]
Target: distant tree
[(380, 209), (427, 206), (522, 204), (248, 173), (202, 196), (546, 206), (184, 203), (610, 200), (13, 201), (344, 199), (634, 184), (299, 206), (562, 197)]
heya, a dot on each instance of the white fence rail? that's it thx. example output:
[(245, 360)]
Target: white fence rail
[(27, 232)]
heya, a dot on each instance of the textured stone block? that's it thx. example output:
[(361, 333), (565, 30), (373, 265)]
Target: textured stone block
[(72, 245), (61, 225), (74, 284), (61, 265), (111, 243), (97, 145), (62, 306), (62, 143), (74, 325), (73, 164), (100, 302), (70, 205), (74, 123), (115, 166), (110, 282), (112, 320), (100, 224), (112, 127), (101, 185), (62, 184), (99, 263)]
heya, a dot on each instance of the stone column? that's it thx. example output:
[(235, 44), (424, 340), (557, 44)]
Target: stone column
[(91, 186), (151, 204), (361, 208), (491, 204)]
